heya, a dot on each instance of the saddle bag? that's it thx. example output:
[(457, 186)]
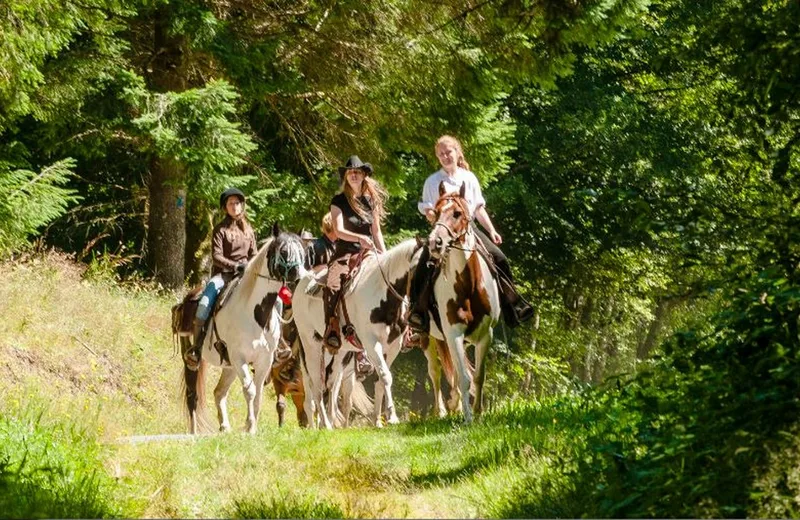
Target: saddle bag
[(183, 312)]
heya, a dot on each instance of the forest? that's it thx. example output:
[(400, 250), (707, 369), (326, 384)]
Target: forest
[(639, 157)]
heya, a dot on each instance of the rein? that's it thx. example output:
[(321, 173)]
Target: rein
[(388, 284)]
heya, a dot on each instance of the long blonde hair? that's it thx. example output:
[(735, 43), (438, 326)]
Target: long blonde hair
[(452, 141), (371, 189)]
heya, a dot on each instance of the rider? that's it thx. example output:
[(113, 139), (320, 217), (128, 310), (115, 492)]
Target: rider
[(233, 243), (320, 250), (455, 172), (356, 213)]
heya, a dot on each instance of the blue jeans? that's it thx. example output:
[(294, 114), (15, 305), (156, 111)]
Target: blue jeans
[(210, 293)]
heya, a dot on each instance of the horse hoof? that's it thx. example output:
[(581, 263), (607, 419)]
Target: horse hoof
[(393, 420), (225, 428)]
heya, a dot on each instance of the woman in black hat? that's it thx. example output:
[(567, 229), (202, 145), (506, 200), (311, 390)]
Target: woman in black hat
[(233, 244), (356, 211)]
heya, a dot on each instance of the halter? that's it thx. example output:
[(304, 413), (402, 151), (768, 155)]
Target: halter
[(453, 236), (286, 264)]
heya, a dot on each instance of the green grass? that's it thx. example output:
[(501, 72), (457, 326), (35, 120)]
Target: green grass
[(85, 363), (53, 471)]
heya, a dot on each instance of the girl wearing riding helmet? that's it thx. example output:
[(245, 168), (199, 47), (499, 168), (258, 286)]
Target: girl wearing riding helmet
[(233, 244), (455, 172), (356, 211)]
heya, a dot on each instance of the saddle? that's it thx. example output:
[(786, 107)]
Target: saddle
[(183, 313), (319, 282)]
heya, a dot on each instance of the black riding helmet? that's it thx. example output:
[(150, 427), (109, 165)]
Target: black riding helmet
[(230, 192)]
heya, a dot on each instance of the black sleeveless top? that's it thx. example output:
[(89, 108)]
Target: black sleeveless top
[(353, 222)]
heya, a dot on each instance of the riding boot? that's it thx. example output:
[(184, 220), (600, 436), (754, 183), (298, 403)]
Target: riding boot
[(331, 338), (514, 307), (421, 295), (192, 356)]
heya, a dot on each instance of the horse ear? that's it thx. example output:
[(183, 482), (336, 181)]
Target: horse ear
[(463, 191), (276, 229), (442, 191)]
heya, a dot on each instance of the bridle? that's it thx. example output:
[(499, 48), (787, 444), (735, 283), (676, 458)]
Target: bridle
[(281, 266), (455, 238)]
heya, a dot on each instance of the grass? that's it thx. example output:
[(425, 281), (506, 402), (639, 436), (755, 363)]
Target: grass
[(85, 363), (98, 359)]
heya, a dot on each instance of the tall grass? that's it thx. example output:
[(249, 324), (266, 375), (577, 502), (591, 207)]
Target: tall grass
[(52, 470)]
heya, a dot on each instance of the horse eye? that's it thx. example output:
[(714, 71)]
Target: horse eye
[(456, 214)]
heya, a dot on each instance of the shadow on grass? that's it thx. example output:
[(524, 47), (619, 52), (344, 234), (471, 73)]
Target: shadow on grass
[(51, 492)]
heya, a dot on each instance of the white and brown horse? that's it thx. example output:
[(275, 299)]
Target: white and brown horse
[(467, 297), (246, 330), (376, 307)]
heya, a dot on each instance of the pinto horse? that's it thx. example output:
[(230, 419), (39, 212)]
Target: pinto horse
[(245, 330), (376, 306), (467, 296)]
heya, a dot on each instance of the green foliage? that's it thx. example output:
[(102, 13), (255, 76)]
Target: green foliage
[(30, 200), (285, 506), (52, 471), (194, 128)]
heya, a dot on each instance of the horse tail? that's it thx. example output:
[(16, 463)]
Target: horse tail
[(194, 397), (362, 402)]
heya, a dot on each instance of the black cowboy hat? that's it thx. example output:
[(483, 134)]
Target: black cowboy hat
[(354, 163), (230, 192)]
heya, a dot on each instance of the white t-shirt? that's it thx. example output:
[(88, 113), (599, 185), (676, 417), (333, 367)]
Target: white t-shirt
[(473, 194)]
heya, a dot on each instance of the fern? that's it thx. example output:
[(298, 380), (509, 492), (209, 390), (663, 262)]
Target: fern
[(30, 200)]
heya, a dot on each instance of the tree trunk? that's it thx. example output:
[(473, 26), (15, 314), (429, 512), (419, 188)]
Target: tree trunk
[(166, 234), (166, 72), (198, 246), (662, 311)]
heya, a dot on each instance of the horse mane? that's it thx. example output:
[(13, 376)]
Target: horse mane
[(254, 266), (399, 254)]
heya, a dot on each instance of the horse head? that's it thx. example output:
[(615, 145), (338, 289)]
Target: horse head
[(452, 221), (285, 256)]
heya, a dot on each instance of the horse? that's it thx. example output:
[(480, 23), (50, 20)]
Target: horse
[(245, 330), (467, 296), (287, 378), (376, 306)]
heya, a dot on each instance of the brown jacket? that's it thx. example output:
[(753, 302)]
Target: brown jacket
[(230, 244)]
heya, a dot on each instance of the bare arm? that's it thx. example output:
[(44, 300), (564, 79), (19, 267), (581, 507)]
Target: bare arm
[(377, 234), (342, 233), (486, 222)]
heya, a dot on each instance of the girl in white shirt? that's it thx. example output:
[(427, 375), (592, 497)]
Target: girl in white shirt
[(454, 173)]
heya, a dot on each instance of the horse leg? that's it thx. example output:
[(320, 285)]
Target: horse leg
[(226, 379), (249, 391), (380, 392), (456, 344), (385, 377), (435, 375), (298, 399), (261, 366), (319, 399), (480, 372), (280, 406)]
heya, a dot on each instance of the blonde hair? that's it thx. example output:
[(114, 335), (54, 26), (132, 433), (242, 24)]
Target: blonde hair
[(327, 223), (452, 141), (371, 189)]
